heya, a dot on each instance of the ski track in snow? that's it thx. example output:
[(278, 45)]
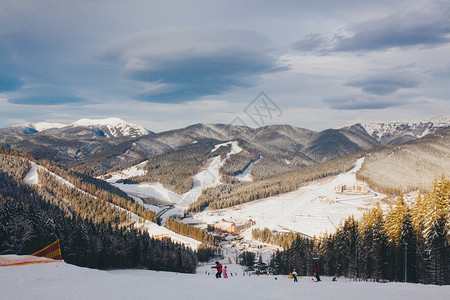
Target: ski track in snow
[(64, 281)]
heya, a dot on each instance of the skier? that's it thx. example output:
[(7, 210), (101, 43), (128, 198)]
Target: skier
[(218, 266), (294, 275), (225, 275), (316, 272)]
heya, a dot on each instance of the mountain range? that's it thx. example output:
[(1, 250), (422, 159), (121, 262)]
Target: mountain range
[(96, 146)]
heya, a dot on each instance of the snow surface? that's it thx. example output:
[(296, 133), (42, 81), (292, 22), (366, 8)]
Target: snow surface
[(64, 281), (313, 209), (40, 126), (32, 177), (137, 170)]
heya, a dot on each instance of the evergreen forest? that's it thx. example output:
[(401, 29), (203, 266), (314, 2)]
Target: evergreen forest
[(410, 242)]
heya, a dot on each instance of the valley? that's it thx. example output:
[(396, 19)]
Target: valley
[(233, 189)]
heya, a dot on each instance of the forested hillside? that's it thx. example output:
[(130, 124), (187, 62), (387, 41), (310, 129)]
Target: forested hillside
[(408, 167), (87, 219)]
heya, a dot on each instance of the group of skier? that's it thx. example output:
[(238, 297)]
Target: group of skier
[(220, 270), (294, 274)]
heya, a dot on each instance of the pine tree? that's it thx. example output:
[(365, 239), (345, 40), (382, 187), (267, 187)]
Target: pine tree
[(408, 243)]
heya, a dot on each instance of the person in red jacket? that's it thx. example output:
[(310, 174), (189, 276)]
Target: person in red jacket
[(218, 266), (316, 272)]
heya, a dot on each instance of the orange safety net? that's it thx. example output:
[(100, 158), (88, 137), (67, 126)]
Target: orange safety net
[(51, 253)]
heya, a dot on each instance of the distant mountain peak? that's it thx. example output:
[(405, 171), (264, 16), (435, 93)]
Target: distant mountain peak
[(388, 131), (30, 128), (40, 126), (109, 127), (438, 121), (100, 122), (113, 127)]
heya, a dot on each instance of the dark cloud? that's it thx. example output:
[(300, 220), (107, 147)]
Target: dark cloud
[(192, 77), (47, 100), (414, 29), (357, 102), (8, 84), (312, 42), (192, 64), (385, 83)]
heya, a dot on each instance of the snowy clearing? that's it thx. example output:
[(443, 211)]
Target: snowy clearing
[(136, 170), (312, 210), (32, 177), (64, 281)]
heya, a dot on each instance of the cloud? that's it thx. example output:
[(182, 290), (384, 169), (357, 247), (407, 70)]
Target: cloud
[(190, 64), (47, 100), (8, 84), (47, 95), (364, 102), (412, 29), (313, 43), (385, 83)]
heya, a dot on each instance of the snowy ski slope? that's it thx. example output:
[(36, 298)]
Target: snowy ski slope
[(313, 209), (64, 281)]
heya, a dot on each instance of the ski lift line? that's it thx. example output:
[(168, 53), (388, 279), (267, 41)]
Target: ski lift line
[(332, 222)]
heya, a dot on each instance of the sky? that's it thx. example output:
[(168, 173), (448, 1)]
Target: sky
[(169, 64)]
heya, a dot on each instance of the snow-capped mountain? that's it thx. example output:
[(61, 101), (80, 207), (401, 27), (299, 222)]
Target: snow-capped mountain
[(110, 127), (399, 131), (30, 128)]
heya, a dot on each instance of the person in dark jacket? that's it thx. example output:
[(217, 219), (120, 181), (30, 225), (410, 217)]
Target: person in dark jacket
[(294, 275), (218, 266)]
